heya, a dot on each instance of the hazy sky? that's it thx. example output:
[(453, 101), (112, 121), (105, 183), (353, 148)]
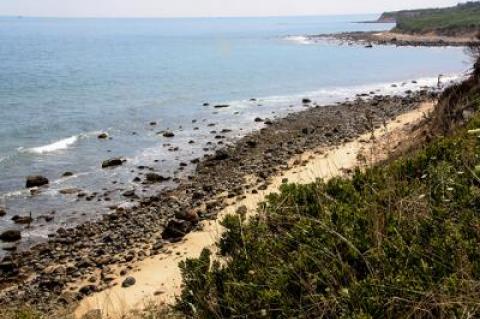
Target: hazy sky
[(188, 8)]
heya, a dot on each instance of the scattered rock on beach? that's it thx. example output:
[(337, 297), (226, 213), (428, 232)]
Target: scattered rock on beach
[(168, 134), (220, 106), (67, 174), (189, 215), (10, 235), (102, 136), (306, 101), (129, 193), (221, 155), (128, 282), (156, 178), (112, 162), (22, 219), (36, 181), (3, 212), (176, 228)]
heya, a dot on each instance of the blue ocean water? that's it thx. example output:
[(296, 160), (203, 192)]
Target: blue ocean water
[(62, 81)]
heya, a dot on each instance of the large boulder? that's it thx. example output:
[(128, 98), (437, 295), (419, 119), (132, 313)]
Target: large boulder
[(176, 229), (36, 181), (11, 235), (112, 162)]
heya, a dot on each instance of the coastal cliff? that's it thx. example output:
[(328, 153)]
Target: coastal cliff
[(463, 19)]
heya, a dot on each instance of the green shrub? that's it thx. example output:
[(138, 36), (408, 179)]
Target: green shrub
[(399, 240)]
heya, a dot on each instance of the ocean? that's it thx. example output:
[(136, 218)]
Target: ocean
[(65, 81)]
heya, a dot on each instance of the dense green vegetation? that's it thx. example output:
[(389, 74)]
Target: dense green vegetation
[(461, 19), (398, 240)]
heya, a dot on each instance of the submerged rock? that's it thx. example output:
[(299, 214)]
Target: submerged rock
[(22, 219), (102, 136), (112, 162), (36, 181), (156, 178), (3, 212), (168, 134)]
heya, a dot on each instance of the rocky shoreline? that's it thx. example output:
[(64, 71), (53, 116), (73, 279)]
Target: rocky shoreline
[(45, 275), (368, 39)]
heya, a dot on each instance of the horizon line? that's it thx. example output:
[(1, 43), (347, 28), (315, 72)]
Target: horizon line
[(185, 17)]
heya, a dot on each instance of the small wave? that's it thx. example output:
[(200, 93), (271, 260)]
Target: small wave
[(299, 39), (55, 146)]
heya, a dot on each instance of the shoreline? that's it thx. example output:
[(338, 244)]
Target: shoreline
[(397, 39), (159, 279), (82, 261)]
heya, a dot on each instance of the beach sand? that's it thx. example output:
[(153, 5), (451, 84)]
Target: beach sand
[(388, 36), (158, 278)]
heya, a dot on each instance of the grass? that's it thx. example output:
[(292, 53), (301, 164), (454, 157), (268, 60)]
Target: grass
[(464, 18), (398, 240)]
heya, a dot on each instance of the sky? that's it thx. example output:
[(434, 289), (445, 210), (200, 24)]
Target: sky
[(205, 8)]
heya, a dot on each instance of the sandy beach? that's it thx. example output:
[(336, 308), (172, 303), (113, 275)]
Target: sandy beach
[(158, 278)]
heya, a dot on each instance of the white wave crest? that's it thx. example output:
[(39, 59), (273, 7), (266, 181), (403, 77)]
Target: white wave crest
[(299, 39), (55, 146)]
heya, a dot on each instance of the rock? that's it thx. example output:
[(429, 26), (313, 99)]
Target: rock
[(102, 136), (128, 282), (88, 290), (189, 215), (36, 181), (129, 193), (22, 219), (156, 178), (206, 104), (268, 122), (168, 134), (10, 235), (7, 267), (251, 143), (69, 191), (306, 101), (67, 174), (2, 212), (112, 162), (176, 229), (242, 210), (221, 155), (153, 123), (219, 106), (258, 119)]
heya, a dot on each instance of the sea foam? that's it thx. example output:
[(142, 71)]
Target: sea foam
[(53, 147)]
